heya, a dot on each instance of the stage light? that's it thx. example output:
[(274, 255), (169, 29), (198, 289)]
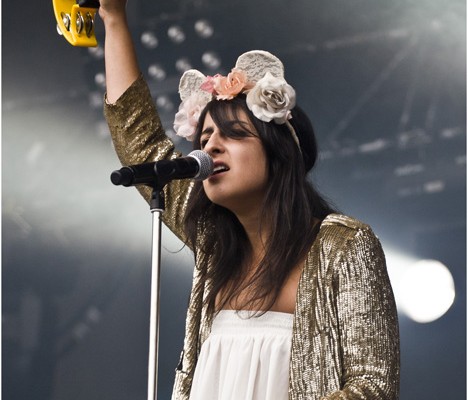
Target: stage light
[(211, 60), (96, 52), (149, 40), (408, 169), (426, 291), (452, 133), (95, 99), (374, 146), (434, 186), (413, 138), (183, 64), (203, 28), (176, 34), (164, 103), (100, 80), (397, 264), (157, 72)]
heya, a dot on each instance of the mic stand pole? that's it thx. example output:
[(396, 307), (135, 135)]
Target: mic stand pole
[(157, 208)]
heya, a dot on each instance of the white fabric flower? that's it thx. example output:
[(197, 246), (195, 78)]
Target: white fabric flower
[(271, 99), (186, 119)]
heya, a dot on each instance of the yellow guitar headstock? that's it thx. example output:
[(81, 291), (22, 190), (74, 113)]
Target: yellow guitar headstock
[(75, 21)]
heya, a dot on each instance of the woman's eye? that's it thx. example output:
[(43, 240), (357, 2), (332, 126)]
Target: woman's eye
[(203, 143)]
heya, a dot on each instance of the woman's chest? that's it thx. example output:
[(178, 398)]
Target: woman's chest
[(285, 302)]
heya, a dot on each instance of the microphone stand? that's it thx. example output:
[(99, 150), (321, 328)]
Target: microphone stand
[(156, 175), (157, 184), (156, 208)]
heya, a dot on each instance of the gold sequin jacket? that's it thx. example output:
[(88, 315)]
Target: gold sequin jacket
[(345, 343)]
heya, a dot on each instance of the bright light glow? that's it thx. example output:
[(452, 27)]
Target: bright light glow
[(397, 264), (96, 52), (434, 186), (176, 34), (374, 146), (204, 29), (211, 60), (163, 102), (409, 169), (95, 99), (149, 40), (100, 79), (426, 291), (157, 72), (183, 64)]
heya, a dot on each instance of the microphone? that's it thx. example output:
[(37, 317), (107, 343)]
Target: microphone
[(197, 165)]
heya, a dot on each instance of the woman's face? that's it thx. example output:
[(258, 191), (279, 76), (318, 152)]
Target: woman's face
[(240, 175)]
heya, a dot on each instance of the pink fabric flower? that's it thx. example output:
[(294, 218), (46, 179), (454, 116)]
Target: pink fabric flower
[(230, 86), (208, 85), (186, 119)]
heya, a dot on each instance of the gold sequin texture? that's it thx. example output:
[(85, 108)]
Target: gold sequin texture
[(345, 342)]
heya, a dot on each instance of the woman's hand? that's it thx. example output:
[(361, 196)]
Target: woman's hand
[(112, 8)]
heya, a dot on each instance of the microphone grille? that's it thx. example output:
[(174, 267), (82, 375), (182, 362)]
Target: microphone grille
[(205, 162)]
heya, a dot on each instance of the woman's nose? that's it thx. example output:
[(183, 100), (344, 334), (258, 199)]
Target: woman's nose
[(214, 144)]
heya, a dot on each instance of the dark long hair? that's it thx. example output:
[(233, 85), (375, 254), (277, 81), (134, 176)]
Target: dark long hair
[(292, 209)]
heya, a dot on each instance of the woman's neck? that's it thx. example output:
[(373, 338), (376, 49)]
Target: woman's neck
[(257, 233)]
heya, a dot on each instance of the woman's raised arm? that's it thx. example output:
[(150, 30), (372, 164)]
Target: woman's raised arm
[(121, 62)]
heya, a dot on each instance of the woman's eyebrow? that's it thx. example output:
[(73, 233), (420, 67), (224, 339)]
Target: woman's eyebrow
[(208, 130)]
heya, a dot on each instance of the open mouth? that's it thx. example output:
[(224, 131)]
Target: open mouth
[(219, 169)]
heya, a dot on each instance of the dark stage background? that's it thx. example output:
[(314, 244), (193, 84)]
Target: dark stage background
[(384, 84)]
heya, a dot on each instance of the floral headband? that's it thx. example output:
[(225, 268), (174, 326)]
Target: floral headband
[(258, 74)]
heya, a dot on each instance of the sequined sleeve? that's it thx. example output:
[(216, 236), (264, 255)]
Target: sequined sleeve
[(139, 137), (367, 321)]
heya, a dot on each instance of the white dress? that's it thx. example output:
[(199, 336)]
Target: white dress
[(245, 358)]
